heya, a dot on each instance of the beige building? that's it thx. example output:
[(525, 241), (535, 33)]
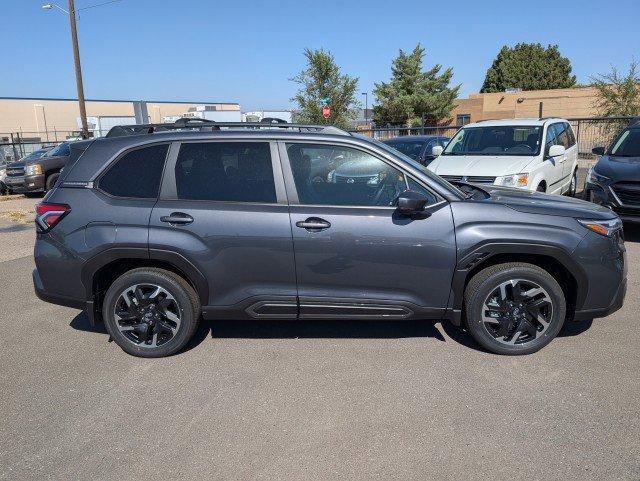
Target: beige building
[(43, 117), (566, 103)]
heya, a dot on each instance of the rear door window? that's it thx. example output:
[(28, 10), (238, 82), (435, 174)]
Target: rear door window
[(136, 174), (225, 172)]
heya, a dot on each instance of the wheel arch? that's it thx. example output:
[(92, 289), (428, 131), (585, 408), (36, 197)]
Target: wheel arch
[(553, 259), (101, 270)]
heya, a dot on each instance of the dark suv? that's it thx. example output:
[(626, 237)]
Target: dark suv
[(152, 231)]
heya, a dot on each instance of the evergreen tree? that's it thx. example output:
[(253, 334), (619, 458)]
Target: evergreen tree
[(322, 79), (412, 94), (529, 66)]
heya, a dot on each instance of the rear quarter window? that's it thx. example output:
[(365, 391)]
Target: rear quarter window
[(136, 174)]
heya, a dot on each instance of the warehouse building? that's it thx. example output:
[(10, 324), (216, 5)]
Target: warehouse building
[(56, 119)]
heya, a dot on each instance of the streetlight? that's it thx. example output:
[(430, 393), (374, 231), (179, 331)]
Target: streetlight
[(366, 107), (71, 13)]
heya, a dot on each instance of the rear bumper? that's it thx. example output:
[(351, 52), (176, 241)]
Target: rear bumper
[(46, 296)]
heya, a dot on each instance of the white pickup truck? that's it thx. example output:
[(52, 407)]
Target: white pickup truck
[(533, 154)]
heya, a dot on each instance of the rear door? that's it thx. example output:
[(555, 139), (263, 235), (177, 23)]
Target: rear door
[(355, 256), (567, 138), (223, 208)]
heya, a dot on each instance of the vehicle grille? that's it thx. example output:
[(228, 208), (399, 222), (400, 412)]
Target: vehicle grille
[(627, 192), (452, 177), (15, 171), (352, 180), (478, 179)]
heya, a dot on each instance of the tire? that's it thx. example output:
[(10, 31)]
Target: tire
[(487, 334), (51, 182), (182, 300), (573, 186)]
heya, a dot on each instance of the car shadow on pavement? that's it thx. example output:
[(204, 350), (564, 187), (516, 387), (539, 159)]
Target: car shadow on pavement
[(81, 323), (327, 329), (316, 329)]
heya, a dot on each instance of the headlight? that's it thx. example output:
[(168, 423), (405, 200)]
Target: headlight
[(34, 169), (594, 178), (516, 180), (602, 227)]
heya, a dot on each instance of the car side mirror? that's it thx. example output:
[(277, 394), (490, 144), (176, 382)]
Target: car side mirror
[(556, 151), (598, 150), (410, 202), (436, 151)]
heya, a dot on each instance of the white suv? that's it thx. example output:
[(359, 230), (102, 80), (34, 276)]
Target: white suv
[(533, 154)]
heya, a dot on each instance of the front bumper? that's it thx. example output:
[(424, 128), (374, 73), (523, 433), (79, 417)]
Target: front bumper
[(603, 195), (30, 183), (616, 304)]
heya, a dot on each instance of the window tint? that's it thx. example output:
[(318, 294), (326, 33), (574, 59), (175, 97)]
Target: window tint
[(136, 174), (562, 135), (572, 137), (628, 144), (354, 178), (225, 171), (551, 138)]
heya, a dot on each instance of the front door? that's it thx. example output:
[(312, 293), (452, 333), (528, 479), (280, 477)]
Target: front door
[(222, 208), (554, 165), (355, 255)]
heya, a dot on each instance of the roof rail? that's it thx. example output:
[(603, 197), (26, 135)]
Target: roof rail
[(210, 125)]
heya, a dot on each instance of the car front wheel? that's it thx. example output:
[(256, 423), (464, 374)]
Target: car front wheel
[(514, 308), (151, 312)]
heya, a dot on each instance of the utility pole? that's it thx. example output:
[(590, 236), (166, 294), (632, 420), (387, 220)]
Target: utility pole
[(366, 107), (78, 68)]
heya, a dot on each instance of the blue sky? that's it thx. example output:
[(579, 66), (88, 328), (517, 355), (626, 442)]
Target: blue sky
[(246, 50)]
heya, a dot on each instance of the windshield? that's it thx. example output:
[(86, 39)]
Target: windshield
[(628, 144), (496, 140), (62, 150), (411, 148), (399, 155)]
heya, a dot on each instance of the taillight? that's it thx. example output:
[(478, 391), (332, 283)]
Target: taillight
[(48, 215)]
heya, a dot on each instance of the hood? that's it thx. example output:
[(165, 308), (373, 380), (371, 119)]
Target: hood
[(45, 159), (480, 165), (619, 168), (547, 204)]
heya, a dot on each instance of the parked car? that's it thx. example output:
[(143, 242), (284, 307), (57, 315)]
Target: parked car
[(418, 147), (532, 154), (615, 179), (150, 232), (16, 170), (38, 174)]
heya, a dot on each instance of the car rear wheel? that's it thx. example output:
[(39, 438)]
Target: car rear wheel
[(151, 312), (514, 308)]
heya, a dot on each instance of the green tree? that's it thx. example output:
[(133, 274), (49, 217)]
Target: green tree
[(618, 94), (529, 66), (412, 94), (322, 79)]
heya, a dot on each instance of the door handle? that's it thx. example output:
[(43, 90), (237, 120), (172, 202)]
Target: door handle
[(313, 223), (177, 218)]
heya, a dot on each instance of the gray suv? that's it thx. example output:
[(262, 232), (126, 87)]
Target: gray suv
[(155, 227)]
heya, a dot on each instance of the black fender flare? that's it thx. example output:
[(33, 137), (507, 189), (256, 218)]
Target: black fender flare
[(178, 261), (483, 252)]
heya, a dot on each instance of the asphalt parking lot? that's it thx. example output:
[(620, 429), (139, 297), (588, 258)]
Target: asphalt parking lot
[(309, 400)]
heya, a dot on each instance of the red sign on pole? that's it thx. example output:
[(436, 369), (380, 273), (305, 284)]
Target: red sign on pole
[(326, 111)]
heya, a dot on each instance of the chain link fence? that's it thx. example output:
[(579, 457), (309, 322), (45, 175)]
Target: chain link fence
[(590, 132)]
